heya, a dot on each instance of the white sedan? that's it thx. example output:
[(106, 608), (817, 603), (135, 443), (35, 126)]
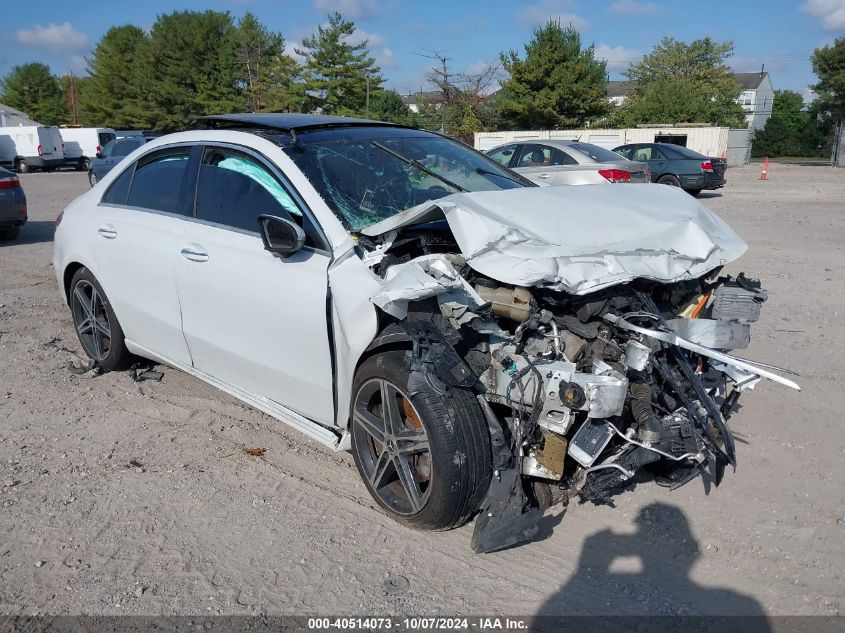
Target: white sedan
[(479, 344)]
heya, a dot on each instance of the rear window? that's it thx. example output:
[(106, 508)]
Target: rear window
[(686, 152), (598, 154), (157, 183), (126, 146), (104, 138)]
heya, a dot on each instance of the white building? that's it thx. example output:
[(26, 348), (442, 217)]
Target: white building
[(756, 97)]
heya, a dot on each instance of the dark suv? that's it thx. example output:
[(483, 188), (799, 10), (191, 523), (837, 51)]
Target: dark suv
[(678, 166)]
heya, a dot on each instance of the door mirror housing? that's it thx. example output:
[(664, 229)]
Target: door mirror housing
[(99, 154), (280, 235)]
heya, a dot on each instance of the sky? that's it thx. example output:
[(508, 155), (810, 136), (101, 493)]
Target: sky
[(781, 34)]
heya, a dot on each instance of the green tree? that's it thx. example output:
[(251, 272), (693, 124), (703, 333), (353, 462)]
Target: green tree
[(284, 90), (388, 105), (558, 83), (789, 131), (336, 70), (72, 89), (114, 96), (32, 88), (189, 68), (257, 53), (683, 83), (829, 66)]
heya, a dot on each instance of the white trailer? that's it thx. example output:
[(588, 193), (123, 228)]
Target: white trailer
[(28, 147)]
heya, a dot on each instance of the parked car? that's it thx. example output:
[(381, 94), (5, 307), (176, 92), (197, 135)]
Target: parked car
[(81, 144), (13, 213), (678, 166), (113, 152), (27, 147), (480, 344), (562, 162)]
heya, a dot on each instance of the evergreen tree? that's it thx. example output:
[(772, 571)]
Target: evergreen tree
[(387, 105), (257, 53), (113, 95), (284, 90), (558, 83), (683, 83), (337, 71), (829, 66), (32, 88), (189, 68)]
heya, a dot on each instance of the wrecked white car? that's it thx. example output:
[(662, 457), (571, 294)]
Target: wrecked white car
[(482, 346)]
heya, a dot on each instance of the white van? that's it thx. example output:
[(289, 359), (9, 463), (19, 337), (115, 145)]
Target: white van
[(28, 147), (83, 143)]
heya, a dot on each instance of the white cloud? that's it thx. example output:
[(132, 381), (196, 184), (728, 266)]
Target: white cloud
[(77, 65), (290, 49), (830, 12), (58, 37), (385, 58), (348, 8), (545, 10), (373, 39), (629, 7), (617, 57)]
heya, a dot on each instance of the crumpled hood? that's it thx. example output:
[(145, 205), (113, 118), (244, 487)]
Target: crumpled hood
[(581, 239)]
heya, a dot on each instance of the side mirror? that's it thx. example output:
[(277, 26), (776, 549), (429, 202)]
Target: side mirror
[(280, 235), (99, 154)]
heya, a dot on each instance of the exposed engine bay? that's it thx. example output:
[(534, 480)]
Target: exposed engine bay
[(584, 394)]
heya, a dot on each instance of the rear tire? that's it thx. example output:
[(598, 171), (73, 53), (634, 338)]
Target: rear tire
[(10, 234), (95, 322), (450, 474), (21, 166), (83, 165), (670, 180)]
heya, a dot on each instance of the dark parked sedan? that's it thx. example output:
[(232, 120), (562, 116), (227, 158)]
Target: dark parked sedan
[(678, 166), (12, 205), (112, 154)]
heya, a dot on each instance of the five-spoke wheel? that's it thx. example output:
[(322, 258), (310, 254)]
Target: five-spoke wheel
[(95, 322)]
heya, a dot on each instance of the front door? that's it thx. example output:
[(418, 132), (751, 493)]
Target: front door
[(252, 319)]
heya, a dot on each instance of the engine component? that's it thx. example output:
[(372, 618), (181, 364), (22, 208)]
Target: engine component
[(713, 333), (605, 389), (738, 300), (590, 440), (641, 409), (636, 355), (546, 462), (572, 395), (511, 303)]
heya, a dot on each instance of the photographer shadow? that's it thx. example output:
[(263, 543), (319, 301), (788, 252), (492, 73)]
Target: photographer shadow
[(642, 576)]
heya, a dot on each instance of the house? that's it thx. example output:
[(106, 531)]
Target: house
[(756, 97), (430, 97), (9, 117)]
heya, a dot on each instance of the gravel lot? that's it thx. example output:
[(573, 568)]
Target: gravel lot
[(120, 497)]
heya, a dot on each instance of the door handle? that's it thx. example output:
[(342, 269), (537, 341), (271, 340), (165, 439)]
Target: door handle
[(107, 231), (544, 176), (194, 255)]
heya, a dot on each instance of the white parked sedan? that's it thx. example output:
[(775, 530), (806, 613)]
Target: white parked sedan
[(479, 344), (566, 162)]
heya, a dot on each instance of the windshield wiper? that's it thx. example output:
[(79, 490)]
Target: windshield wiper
[(486, 172), (418, 165)]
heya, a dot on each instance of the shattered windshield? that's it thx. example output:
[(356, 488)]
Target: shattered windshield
[(370, 174)]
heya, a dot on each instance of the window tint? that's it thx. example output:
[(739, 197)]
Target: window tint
[(647, 152), (624, 152), (685, 152), (598, 154), (108, 149), (104, 138), (118, 190), (235, 188), (503, 155), (157, 183), (535, 156), (124, 147)]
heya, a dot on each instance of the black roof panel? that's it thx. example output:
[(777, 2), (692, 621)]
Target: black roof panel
[(288, 121)]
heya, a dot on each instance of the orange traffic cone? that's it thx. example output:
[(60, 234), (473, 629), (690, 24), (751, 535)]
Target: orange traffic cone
[(764, 174)]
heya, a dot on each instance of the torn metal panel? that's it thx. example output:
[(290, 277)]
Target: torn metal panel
[(581, 239), (423, 278)]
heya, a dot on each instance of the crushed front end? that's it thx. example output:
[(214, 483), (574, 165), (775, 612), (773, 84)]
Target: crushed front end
[(585, 393)]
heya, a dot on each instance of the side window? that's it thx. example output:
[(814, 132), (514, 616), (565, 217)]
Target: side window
[(157, 183), (503, 155), (642, 153), (624, 152), (657, 154), (235, 188), (559, 157), (124, 147), (535, 156), (119, 189), (108, 149)]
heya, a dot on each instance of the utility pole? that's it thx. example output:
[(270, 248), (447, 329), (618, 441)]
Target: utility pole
[(73, 98), (367, 100)]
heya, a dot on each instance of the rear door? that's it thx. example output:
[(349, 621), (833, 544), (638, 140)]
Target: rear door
[(253, 319), (142, 225)]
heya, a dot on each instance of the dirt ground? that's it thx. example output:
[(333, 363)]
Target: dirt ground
[(120, 497)]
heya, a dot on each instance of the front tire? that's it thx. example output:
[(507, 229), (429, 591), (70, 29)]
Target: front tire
[(21, 166), (425, 458), (95, 322)]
